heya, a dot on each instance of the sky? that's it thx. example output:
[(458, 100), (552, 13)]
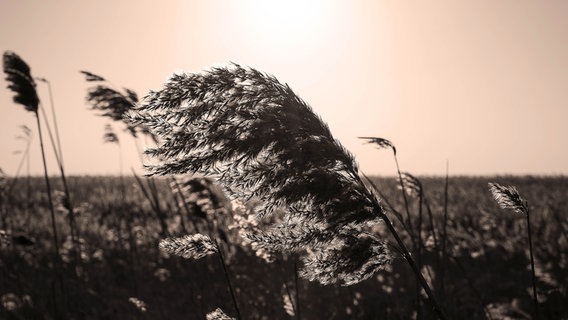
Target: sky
[(478, 87)]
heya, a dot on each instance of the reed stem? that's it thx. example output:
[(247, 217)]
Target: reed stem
[(535, 297)]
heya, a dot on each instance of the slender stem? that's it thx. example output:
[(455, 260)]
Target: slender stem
[(48, 186), (444, 233), (59, 159), (178, 199), (226, 272), (389, 205), (290, 297), (406, 254), (25, 158), (153, 203), (52, 210), (54, 121), (296, 280), (535, 297), (411, 233), (419, 256)]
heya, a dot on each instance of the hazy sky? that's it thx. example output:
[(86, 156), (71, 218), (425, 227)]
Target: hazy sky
[(482, 84)]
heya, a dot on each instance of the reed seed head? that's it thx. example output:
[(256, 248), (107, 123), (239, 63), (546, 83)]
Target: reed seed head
[(190, 247), (261, 141), (20, 81), (507, 197), (380, 143), (218, 314)]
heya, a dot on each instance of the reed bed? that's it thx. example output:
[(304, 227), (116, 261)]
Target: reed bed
[(263, 214)]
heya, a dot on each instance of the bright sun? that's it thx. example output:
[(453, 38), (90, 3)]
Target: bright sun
[(287, 23)]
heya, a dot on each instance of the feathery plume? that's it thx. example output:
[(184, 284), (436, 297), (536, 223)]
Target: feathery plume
[(139, 304), (256, 136), (348, 260), (20, 81), (410, 183), (199, 193), (190, 247), (114, 103), (261, 141), (508, 198), (111, 103), (91, 76), (218, 314), (381, 143)]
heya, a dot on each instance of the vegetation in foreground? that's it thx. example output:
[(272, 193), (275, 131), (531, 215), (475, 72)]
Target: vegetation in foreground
[(297, 197), (486, 273)]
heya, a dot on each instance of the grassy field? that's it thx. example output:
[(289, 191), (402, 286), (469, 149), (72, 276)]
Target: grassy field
[(113, 268), (177, 248)]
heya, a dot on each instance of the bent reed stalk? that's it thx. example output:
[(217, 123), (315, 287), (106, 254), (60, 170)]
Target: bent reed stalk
[(22, 84), (509, 198), (260, 140)]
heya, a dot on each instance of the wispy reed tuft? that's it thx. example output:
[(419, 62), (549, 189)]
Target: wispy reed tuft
[(218, 314), (20, 81), (381, 143), (508, 198), (91, 76), (110, 102), (261, 141), (190, 247)]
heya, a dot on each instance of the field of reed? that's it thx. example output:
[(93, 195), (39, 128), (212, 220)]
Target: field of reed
[(252, 210), (486, 274)]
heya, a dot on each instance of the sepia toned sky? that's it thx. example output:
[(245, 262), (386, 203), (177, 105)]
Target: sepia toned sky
[(482, 85)]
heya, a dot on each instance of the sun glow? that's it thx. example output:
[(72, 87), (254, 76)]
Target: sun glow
[(287, 23)]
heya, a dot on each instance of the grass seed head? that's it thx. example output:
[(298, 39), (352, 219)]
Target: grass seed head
[(381, 143), (20, 81), (261, 141), (218, 314), (190, 247), (509, 198)]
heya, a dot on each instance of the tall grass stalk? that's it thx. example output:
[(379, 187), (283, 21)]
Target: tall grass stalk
[(21, 82), (25, 160), (67, 202), (412, 185), (199, 192), (228, 278), (382, 143), (114, 103), (415, 185), (198, 246), (444, 233), (509, 198), (259, 140)]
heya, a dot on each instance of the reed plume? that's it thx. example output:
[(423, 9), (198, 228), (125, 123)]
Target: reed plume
[(507, 197), (194, 246), (381, 143), (260, 140), (112, 102), (20, 81), (218, 314)]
